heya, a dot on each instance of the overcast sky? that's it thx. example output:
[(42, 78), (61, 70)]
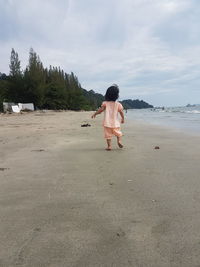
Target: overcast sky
[(150, 48)]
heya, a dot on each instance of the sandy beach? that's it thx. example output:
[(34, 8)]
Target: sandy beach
[(66, 201)]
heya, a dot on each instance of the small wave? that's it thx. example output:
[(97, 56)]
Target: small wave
[(171, 111), (179, 111), (193, 111)]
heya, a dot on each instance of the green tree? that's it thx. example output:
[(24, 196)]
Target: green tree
[(15, 88), (77, 101), (34, 79), (55, 90), (15, 69)]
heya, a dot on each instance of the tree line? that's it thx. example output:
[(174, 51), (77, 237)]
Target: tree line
[(49, 88)]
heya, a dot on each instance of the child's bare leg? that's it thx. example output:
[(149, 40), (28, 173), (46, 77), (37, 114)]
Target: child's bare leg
[(119, 142), (109, 144)]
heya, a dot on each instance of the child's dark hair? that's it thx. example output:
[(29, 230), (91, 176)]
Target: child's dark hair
[(112, 93)]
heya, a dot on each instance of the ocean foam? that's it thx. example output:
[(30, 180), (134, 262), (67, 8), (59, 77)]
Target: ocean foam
[(193, 111)]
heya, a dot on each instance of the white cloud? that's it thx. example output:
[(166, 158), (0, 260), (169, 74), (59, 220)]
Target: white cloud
[(174, 6)]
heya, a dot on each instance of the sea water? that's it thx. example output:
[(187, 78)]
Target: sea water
[(181, 118)]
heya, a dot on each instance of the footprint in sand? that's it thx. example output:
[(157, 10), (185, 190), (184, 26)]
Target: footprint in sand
[(38, 150), (120, 233), (3, 169)]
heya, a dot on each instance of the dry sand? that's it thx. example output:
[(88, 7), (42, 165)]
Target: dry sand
[(65, 201)]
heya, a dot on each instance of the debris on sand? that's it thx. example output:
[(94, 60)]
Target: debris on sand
[(38, 150), (3, 169), (85, 125)]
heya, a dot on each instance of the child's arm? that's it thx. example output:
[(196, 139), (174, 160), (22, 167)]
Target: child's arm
[(101, 109), (122, 115)]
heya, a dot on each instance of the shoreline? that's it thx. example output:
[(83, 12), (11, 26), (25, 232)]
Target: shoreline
[(134, 121), (168, 128), (75, 204), (182, 122), (129, 120)]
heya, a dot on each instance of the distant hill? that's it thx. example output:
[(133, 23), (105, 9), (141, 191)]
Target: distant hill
[(135, 104), (193, 105)]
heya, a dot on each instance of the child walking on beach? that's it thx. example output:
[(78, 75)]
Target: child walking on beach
[(111, 122)]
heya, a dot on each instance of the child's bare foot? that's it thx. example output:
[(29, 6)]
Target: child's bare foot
[(120, 145), (108, 144)]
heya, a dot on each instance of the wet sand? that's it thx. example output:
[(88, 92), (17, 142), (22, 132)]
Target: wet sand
[(66, 201)]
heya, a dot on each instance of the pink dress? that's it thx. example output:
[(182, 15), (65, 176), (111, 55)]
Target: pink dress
[(111, 121)]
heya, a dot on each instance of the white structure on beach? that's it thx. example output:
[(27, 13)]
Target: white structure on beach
[(12, 107)]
